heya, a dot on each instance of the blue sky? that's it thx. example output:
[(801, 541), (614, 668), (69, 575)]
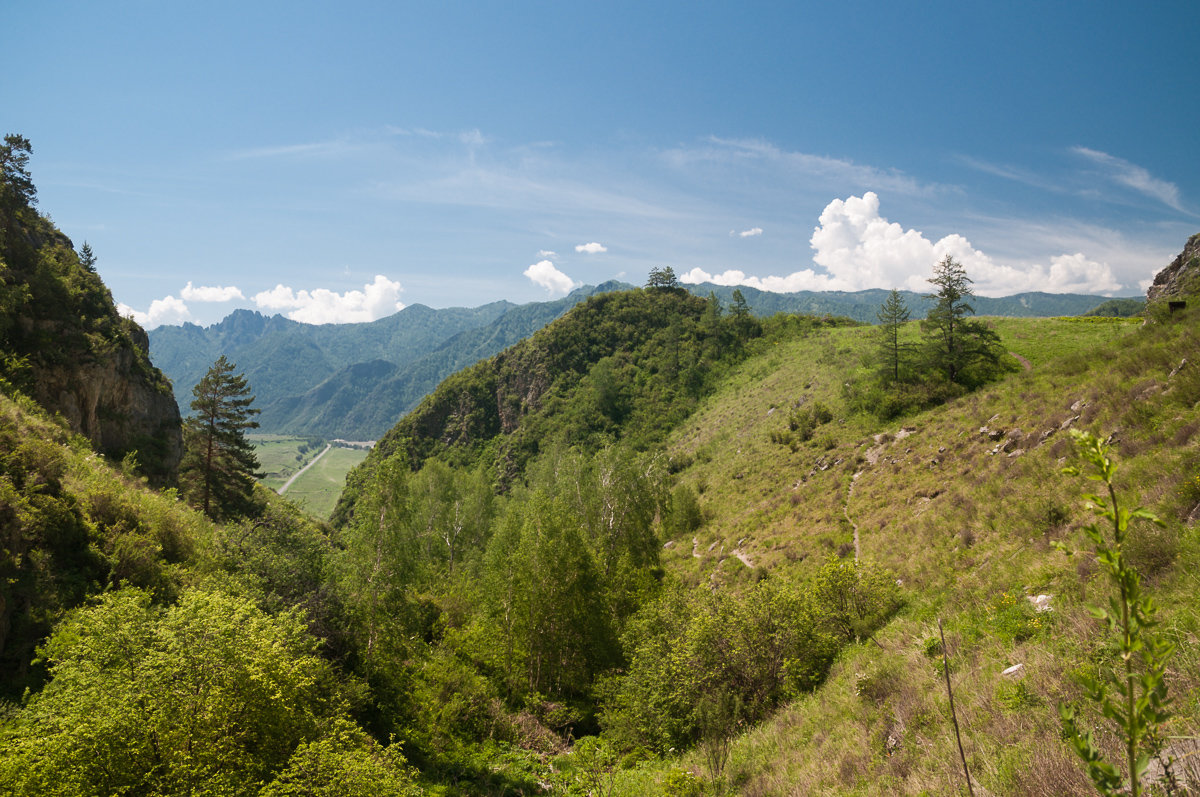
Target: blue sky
[(334, 162)]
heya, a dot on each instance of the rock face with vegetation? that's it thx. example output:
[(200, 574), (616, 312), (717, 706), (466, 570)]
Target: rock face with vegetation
[(1181, 278), (64, 343)]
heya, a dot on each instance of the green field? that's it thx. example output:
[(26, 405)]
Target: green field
[(280, 456), (317, 490)]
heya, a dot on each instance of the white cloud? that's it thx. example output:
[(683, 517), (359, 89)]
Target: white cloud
[(214, 293), (322, 306), (1133, 176), (547, 254), (592, 249), (859, 249), (750, 233), (545, 274), (768, 156), (167, 310)]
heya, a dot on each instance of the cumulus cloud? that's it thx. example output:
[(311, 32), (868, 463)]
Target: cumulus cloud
[(214, 293), (167, 310), (592, 249), (858, 248), (322, 306), (545, 274), (750, 233)]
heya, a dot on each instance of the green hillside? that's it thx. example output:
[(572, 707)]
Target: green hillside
[(659, 547), (961, 506)]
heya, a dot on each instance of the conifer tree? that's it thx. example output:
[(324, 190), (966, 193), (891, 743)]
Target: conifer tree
[(663, 278), (892, 315), (87, 258), (219, 466), (955, 342)]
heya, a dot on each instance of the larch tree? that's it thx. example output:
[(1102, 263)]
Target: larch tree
[(954, 342), (219, 465), (892, 315)]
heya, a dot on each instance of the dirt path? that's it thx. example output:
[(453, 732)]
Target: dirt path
[(300, 472), (1028, 366), (846, 511)]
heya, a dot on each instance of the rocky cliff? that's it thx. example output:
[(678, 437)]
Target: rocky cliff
[(1181, 278), (63, 343)]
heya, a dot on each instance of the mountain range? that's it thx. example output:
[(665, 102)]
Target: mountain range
[(355, 381)]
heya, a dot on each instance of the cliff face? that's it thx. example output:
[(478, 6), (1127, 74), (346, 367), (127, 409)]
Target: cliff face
[(63, 343), (119, 404), (1181, 278)]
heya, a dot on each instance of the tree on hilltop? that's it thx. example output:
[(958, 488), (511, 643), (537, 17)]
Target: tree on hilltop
[(662, 278), (955, 343), (219, 466)]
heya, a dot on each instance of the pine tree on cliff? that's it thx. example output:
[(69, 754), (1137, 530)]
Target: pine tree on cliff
[(219, 466)]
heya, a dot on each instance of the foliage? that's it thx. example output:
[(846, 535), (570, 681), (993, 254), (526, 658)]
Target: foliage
[(701, 663), (345, 762), (620, 367), (208, 694), (16, 186), (219, 466), (1117, 308), (662, 279), (965, 351), (1133, 696)]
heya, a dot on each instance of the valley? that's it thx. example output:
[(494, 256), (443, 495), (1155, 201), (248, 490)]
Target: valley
[(654, 544)]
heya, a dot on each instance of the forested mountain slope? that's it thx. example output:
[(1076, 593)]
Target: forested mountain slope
[(363, 401), (620, 367), (352, 381), (283, 358)]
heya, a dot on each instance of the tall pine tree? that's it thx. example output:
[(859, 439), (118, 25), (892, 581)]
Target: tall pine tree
[(219, 466), (892, 315)]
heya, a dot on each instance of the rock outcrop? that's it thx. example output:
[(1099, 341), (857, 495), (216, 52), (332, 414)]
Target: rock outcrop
[(119, 403), (63, 343), (1181, 278)]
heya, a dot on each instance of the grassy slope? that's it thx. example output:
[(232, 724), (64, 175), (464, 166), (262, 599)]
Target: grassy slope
[(968, 532)]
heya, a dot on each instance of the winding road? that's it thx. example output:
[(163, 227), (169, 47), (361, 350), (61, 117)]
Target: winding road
[(300, 472)]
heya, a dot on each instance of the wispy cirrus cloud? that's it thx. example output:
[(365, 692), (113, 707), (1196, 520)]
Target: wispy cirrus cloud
[(335, 147), (760, 152), (1130, 175)]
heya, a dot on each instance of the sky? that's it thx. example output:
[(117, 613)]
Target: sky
[(337, 162)]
